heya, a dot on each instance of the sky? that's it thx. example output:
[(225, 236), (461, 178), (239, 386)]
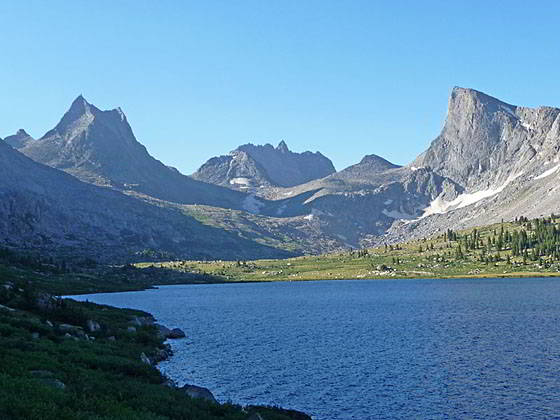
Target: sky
[(348, 78)]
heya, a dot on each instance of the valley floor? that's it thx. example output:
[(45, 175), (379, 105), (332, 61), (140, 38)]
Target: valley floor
[(487, 251)]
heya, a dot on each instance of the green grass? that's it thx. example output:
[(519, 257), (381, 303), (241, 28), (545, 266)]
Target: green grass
[(425, 258), (102, 373)]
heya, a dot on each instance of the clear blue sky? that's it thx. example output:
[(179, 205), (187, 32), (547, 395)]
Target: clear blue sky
[(347, 77)]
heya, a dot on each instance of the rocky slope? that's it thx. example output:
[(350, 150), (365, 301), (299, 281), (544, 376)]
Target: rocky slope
[(99, 147), (253, 167), (46, 209)]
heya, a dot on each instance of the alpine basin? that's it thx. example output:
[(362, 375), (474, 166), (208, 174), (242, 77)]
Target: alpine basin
[(484, 348)]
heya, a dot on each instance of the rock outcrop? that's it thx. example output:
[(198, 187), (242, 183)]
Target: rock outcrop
[(194, 391)]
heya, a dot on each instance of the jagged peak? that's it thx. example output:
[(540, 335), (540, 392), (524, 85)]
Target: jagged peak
[(78, 108), (18, 140), (83, 113), (282, 147), (80, 102)]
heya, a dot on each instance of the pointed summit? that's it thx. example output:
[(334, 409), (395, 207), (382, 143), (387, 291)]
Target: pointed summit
[(99, 147), (19, 140), (79, 103), (282, 147)]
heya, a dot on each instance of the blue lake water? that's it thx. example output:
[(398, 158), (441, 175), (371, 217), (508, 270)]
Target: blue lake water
[(486, 348)]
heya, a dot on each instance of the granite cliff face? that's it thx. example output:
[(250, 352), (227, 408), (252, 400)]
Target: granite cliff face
[(505, 157), (251, 167), (485, 140)]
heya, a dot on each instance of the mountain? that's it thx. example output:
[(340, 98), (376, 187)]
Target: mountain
[(45, 209), (484, 140), (251, 167), (19, 140), (505, 157), (491, 160), (99, 147)]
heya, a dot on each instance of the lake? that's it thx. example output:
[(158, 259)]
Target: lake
[(368, 349)]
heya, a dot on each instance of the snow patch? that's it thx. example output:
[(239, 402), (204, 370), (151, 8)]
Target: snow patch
[(414, 168), (240, 181), (439, 206), (548, 173), (309, 217), (252, 204)]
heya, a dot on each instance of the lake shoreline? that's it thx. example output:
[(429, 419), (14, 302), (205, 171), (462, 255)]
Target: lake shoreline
[(520, 275)]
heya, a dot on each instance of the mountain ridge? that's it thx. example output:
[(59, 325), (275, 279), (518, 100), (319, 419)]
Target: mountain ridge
[(252, 166), (99, 147), (491, 160)]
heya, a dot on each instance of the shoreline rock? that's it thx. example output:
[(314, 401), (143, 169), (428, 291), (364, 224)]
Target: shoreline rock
[(194, 391)]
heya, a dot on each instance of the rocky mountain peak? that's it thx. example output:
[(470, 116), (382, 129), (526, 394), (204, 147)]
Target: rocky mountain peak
[(18, 140), (377, 163), (260, 166), (282, 147), (486, 141), (80, 106), (466, 102)]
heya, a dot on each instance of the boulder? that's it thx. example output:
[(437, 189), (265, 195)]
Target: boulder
[(47, 377), (46, 302), (72, 329), (131, 329), (162, 354), (53, 382), (163, 332), (92, 325), (170, 383), (264, 412), (140, 321), (176, 333), (194, 391)]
